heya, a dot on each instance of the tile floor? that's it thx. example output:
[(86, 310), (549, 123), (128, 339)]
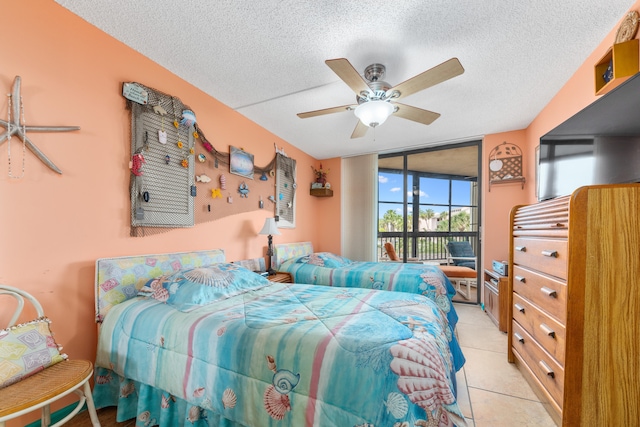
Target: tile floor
[(491, 391)]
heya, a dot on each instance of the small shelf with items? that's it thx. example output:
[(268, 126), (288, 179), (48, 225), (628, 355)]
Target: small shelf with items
[(322, 192), (507, 181), (616, 66)]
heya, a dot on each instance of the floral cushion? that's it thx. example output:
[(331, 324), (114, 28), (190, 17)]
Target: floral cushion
[(189, 289), (26, 349)]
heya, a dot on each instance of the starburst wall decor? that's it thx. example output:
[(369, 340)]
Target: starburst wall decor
[(15, 125)]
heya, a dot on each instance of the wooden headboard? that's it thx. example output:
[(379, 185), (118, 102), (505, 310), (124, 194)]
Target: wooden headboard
[(119, 279)]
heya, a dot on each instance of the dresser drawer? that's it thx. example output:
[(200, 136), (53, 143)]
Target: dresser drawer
[(544, 367), (546, 255), (544, 291), (544, 329)]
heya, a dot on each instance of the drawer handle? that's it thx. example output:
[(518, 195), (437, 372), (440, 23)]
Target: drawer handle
[(547, 330), (520, 279), (519, 308), (547, 369), (558, 224), (521, 248), (518, 337), (551, 254), (549, 292)]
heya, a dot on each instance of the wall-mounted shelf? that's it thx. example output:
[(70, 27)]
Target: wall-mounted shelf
[(623, 58), (322, 192), (506, 181)]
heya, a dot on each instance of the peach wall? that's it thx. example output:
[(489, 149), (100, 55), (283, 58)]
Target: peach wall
[(54, 227), (497, 202)]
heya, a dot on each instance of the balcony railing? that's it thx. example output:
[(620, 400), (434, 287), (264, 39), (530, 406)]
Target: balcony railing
[(424, 246)]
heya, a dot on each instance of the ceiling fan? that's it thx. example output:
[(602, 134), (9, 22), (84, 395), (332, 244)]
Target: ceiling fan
[(376, 98)]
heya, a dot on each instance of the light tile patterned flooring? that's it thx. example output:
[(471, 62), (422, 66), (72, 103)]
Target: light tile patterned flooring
[(491, 391)]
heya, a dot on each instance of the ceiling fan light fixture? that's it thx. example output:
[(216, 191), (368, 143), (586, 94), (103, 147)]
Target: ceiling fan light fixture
[(373, 113)]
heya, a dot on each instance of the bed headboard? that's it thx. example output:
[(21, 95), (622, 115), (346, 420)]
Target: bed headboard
[(119, 279), (253, 264), (285, 251)]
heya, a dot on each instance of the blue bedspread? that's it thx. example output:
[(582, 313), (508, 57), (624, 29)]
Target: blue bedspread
[(282, 355), (330, 270)]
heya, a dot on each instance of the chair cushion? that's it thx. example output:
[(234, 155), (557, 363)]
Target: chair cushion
[(461, 249), (458, 271), (27, 349), (467, 264)]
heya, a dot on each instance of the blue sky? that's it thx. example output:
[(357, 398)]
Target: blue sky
[(433, 192)]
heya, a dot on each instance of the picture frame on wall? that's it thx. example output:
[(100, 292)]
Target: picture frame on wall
[(240, 162)]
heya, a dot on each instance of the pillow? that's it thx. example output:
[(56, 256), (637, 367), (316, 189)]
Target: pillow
[(325, 259), (27, 349), (189, 289)]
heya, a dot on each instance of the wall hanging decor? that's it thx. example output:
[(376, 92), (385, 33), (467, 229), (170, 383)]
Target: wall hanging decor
[(240, 162), (16, 125), (165, 175), (161, 162), (505, 165), (285, 191)]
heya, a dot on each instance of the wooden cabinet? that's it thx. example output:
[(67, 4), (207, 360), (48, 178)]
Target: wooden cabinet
[(281, 277), (574, 308), (496, 302)]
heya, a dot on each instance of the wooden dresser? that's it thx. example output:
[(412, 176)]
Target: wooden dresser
[(574, 307)]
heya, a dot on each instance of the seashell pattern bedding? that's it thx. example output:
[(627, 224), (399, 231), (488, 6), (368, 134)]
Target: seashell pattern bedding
[(278, 354)]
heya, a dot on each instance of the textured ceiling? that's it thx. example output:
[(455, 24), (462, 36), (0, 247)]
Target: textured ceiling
[(265, 59)]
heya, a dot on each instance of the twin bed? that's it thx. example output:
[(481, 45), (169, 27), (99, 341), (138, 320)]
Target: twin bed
[(189, 339), (325, 268)]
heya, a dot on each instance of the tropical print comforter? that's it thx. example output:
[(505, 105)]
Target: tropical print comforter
[(325, 268), (278, 355)]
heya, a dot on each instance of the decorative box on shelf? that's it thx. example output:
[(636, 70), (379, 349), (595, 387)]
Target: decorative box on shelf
[(616, 66)]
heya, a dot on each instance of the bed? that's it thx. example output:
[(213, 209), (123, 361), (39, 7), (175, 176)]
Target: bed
[(207, 343), (325, 268)]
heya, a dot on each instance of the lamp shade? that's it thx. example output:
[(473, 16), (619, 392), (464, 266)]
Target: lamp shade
[(270, 227), (373, 113)]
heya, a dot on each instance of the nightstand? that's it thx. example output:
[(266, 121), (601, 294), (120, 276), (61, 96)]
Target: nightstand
[(496, 303), (281, 277)]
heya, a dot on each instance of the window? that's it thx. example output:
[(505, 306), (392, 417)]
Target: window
[(426, 198)]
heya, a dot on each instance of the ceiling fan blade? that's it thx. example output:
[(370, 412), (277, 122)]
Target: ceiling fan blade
[(415, 114), (326, 111), (360, 130), (431, 77), (343, 68)]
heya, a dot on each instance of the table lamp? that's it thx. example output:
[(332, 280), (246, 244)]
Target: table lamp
[(269, 229)]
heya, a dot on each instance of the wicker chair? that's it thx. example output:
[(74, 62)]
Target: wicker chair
[(38, 391)]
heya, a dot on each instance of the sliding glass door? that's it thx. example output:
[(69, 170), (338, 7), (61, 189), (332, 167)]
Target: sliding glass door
[(427, 198)]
